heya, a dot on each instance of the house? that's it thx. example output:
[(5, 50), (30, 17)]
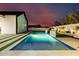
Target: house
[(69, 29), (13, 22)]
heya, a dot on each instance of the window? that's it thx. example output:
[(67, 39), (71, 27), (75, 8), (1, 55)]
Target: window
[(21, 24)]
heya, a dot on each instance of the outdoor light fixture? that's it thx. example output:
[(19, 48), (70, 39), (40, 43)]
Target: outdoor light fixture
[(2, 15)]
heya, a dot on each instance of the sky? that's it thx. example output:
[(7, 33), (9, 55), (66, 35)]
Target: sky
[(42, 13)]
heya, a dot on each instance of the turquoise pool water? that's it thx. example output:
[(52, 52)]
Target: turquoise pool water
[(41, 41)]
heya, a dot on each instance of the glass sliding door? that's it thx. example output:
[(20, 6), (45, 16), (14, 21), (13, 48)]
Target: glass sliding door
[(21, 24)]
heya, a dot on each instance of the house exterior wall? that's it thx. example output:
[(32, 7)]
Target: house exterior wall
[(8, 24)]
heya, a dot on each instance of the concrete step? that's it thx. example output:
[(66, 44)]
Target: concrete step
[(5, 36), (11, 41), (7, 39)]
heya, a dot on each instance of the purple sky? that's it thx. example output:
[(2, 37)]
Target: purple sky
[(44, 14)]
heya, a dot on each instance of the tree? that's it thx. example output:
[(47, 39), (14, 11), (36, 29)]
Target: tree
[(57, 23), (71, 19)]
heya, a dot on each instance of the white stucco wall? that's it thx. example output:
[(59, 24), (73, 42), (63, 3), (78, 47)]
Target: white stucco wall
[(8, 24)]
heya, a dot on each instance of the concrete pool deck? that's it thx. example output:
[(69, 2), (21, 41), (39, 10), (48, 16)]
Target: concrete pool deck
[(41, 53), (73, 42), (68, 40)]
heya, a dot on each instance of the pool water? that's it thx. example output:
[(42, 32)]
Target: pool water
[(41, 41)]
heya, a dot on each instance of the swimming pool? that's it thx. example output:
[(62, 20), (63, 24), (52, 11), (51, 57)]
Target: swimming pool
[(41, 41)]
